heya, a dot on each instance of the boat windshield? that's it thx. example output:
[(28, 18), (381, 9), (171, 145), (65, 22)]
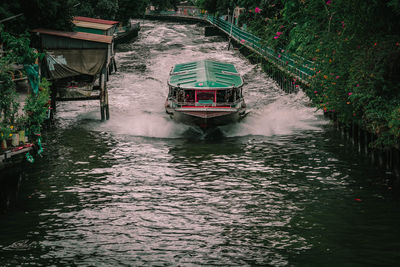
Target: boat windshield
[(205, 96)]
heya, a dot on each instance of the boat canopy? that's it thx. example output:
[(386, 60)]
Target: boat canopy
[(205, 74)]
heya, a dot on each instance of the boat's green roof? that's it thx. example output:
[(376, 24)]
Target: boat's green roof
[(207, 74)]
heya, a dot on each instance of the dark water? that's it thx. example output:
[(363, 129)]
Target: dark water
[(280, 189)]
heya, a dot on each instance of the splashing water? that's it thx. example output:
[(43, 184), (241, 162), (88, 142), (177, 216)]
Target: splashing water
[(139, 91)]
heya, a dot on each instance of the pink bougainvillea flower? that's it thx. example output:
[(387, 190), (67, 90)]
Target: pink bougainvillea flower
[(315, 92), (279, 55), (276, 37), (350, 94), (375, 44), (328, 2), (242, 41), (278, 33), (257, 10), (358, 85), (337, 77), (280, 27)]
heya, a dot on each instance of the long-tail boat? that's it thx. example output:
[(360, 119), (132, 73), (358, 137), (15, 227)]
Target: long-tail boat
[(205, 93)]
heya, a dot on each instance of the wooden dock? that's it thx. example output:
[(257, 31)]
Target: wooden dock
[(14, 156)]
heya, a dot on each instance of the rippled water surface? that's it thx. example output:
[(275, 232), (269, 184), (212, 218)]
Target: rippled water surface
[(280, 188)]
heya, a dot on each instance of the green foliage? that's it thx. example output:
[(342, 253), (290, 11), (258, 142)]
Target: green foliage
[(355, 47), (105, 9), (8, 101), (51, 14), (36, 107), (131, 9), (85, 9), (17, 49), (164, 4), (209, 5), (57, 14), (221, 6), (121, 10), (9, 9)]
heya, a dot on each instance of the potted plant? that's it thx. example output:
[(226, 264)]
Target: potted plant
[(21, 125), (4, 135)]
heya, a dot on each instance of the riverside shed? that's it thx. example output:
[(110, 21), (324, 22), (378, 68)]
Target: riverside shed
[(74, 61), (92, 25)]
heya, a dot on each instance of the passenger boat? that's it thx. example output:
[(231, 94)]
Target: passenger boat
[(125, 34), (205, 93)]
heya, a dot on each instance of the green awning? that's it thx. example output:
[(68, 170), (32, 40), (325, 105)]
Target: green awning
[(205, 74)]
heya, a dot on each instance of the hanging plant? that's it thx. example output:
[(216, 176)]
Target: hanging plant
[(36, 108), (8, 100)]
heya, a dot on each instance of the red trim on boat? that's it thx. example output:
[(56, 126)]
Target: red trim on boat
[(210, 107)]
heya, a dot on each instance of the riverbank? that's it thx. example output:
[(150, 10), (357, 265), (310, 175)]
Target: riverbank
[(354, 51)]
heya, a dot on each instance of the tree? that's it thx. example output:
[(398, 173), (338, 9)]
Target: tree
[(209, 5), (164, 4), (53, 14), (106, 9), (131, 9)]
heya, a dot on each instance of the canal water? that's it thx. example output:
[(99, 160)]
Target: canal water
[(280, 188)]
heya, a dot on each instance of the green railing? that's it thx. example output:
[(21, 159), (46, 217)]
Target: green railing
[(301, 68)]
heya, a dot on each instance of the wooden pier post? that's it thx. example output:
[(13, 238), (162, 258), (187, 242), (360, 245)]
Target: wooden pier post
[(106, 104), (53, 101), (361, 140), (396, 162), (102, 92)]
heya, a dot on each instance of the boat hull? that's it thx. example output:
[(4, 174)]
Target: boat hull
[(207, 118)]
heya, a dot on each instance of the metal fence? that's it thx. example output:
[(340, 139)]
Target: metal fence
[(300, 67)]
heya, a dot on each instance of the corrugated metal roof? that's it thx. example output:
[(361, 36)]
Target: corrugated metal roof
[(101, 21), (78, 35), (92, 25), (205, 74)]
